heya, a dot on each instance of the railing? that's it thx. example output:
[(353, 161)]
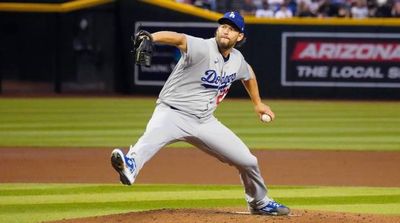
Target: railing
[(213, 16), (51, 7)]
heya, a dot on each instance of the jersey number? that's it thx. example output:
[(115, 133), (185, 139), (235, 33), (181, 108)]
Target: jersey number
[(221, 95)]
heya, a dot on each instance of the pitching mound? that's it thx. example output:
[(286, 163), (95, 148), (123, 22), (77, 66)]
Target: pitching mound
[(232, 216)]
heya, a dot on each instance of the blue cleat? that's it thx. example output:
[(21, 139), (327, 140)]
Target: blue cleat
[(272, 208), (125, 166)]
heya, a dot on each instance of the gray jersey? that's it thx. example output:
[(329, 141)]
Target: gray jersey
[(202, 78)]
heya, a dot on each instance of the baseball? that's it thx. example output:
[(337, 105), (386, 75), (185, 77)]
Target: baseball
[(265, 118)]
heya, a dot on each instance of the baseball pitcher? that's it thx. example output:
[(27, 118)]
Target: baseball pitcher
[(185, 106)]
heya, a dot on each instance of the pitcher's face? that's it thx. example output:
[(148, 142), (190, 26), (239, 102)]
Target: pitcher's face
[(227, 36)]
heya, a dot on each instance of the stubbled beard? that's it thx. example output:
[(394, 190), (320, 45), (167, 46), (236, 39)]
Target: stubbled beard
[(225, 46)]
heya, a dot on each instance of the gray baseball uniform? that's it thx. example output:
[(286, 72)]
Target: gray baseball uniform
[(184, 112)]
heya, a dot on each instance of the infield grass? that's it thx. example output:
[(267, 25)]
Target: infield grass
[(25, 203), (112, 122)]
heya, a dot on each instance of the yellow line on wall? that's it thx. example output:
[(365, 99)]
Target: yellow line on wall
[(48, 7), (80, 4), (326, 21), (185, 8), (213, 16)]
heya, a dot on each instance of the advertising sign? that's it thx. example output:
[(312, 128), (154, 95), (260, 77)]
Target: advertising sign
[(166, 57), (340, 59)]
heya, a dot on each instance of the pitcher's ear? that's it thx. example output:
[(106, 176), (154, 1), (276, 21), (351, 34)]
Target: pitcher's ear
[(240, 37)]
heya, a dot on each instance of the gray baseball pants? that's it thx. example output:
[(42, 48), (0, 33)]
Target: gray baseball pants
[(168, 125)]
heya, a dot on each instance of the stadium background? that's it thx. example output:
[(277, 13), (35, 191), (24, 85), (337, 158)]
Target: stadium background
[(58, 57), (86, 48)]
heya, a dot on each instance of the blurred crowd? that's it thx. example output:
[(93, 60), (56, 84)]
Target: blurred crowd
[(304, 8)]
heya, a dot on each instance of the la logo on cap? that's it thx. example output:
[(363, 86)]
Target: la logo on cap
[(232, 15)]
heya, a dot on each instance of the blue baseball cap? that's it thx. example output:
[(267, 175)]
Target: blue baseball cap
[(233, 18)]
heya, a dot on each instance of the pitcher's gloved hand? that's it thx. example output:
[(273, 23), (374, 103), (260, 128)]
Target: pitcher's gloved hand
[(143, 48)]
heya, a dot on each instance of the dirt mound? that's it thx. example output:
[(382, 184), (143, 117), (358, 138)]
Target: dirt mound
[(232, 216)]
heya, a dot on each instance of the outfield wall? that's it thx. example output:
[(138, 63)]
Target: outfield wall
[(58, 47), (297, 58)]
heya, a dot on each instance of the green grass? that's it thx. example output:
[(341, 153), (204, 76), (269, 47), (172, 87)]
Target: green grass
[(42, 202), (110, 122)]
